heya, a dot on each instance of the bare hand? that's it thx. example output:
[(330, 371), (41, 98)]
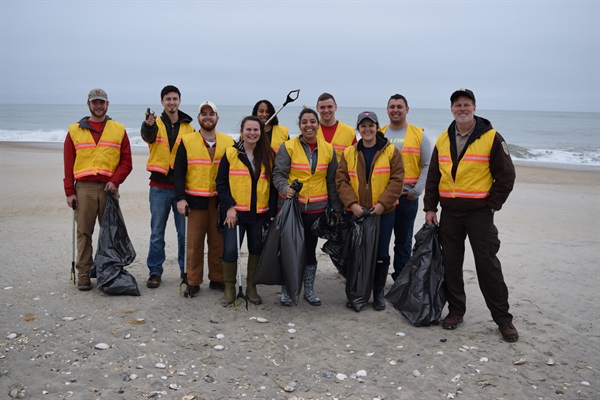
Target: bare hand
[(289, 192), (111, 187), (357, 210), (181, 206), (231, 219), (70, 199), (431, 218), (377, 209), (150, 120), (410, 196)]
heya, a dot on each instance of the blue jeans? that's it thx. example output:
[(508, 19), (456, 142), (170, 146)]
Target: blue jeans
[(406, 212), (162, 201), (230, 253), (386, 225)]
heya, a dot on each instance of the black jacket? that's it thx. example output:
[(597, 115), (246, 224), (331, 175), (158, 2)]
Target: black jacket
[(501, 168)]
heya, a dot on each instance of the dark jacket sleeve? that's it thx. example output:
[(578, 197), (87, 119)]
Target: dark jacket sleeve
[(180, 172), (223, 189), (432, 192), (148, 132), (503, 173)]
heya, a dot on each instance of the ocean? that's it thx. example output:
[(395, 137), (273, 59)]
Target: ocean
[(533, 137)]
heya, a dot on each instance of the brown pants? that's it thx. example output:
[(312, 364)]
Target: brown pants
[(203, 224), (91, 199)]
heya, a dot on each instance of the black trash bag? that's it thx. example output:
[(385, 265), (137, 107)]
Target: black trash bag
[(268, 271), (282, 258), (338, 245), (363, 242), (326, 227), (115, 251), (418, 292)]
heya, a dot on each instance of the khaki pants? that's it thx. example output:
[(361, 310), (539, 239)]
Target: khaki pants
[(203, 224), (91, 199)]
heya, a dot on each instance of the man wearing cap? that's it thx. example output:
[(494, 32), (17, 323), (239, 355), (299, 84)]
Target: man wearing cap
[(195, 171), (97, 158), (471, 175), (415, 149), (161, 134), (333, 131)]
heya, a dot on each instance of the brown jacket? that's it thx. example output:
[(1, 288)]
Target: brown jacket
[(388, 197)]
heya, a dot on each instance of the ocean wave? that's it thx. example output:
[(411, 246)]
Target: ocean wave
[(572, 155)]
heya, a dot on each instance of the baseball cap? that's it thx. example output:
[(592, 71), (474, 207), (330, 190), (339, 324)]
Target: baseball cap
[(462, 92), (97, 94), (208, 104), (367, 114)]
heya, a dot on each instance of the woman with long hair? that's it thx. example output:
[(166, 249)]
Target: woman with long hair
[(247, 200), (276, 133)]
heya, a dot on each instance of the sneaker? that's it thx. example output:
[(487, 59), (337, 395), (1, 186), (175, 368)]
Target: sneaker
[(84, 284), (217, 285), (191, 291), (451, 321), (153, 282), (508, 331)]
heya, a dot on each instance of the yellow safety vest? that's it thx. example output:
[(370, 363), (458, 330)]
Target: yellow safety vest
[(380, 171), (240, 184), (200, 179), (473, 177), (314, 188), (279, 134), (411, 153), (343, 137), (97, 159), (161, 157)]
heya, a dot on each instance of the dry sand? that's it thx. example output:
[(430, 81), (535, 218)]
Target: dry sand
[(550, 250)]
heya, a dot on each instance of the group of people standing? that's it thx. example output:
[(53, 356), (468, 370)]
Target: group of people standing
[(226, 188)]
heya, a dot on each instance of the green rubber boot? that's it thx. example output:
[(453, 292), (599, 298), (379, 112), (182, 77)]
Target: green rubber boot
[(229, 275), (251, 292)]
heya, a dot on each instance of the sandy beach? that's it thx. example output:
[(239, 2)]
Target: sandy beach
[(161, 345)]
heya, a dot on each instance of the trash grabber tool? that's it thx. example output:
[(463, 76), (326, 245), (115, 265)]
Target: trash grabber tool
[(289, 99), (185, 251), (73, 276), (240, 294)]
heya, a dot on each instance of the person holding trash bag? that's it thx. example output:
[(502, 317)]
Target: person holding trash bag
[(161, 135), (248, 200), (196, 167), (471, 175), (415, 149), (275, 133), (312, 161), (370, 176), (97, 158)]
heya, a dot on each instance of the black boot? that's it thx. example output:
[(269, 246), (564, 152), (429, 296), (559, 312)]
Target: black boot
[(379, 279)]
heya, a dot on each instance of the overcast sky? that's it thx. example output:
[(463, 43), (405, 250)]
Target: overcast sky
[(515, 55)]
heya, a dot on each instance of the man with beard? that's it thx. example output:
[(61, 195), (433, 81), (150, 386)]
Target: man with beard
[(161, 134), (195, 172), (97, 158), (471, 175)]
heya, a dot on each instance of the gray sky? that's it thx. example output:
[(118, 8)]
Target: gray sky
[(515, 55)]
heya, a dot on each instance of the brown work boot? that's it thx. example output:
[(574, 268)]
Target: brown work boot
[(451, 321), (83, 283), (153, 282), (508, 331)]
